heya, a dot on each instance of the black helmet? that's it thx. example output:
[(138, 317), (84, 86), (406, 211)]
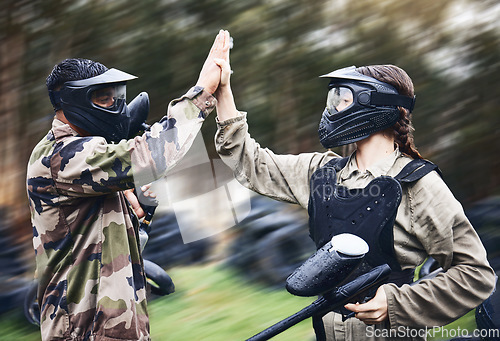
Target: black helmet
[(98, 105), (358, 106)]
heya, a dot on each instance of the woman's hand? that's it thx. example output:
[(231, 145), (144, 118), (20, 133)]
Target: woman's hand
[(226, 108), (225, 73), (372, 312)]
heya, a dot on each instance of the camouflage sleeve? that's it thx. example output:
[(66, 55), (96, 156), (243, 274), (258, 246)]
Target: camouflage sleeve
[(91, 166)]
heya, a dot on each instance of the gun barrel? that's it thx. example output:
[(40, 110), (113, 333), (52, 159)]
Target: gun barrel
[(316, 307)]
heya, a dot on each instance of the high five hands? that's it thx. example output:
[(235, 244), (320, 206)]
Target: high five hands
[(226, 108), (210, 75)]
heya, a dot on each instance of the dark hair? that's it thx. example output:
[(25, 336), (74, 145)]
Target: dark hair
[(398, 78), (73, 69)]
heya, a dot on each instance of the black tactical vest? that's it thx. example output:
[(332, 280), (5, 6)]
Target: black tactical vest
[(367, 212)]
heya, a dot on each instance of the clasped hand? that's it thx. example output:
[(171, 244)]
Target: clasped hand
[(372, 312), (134, 201)]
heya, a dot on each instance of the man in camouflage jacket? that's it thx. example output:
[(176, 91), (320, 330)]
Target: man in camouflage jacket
[(89, 265)]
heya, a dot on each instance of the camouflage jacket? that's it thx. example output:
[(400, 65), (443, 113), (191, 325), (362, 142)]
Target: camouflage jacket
[(88, 262)]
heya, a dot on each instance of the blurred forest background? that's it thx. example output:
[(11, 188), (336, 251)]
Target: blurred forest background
[(450, 48)]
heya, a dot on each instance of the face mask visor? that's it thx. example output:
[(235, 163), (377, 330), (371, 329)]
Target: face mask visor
[(339, 98), (109, 97)]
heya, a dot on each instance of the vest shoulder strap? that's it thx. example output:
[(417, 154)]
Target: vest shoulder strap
[(338, 163), (415, 170)]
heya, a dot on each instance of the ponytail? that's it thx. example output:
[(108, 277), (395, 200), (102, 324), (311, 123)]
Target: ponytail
[(403, 135)]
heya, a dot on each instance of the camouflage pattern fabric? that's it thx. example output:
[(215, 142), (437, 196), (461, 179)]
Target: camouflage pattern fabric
[(88, 262)]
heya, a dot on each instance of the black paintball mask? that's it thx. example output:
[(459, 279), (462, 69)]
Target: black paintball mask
[(98, 105), (357, 106)]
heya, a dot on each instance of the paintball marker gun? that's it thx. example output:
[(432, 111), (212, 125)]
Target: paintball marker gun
[(338, 274)]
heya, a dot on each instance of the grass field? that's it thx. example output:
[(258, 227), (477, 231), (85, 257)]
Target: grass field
[(211, 303)]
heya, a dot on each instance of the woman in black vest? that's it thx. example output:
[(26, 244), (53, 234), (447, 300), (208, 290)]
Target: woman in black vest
[(370, 106)]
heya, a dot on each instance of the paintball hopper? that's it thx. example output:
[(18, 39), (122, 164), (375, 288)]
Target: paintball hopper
[(328, 267)]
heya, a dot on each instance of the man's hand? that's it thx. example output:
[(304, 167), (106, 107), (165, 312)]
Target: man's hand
[(372, 312), (134, 202), (211, 73)]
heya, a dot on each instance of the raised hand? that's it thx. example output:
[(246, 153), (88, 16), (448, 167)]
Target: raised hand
[(210, 74), (226, 72), (226, 107)]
